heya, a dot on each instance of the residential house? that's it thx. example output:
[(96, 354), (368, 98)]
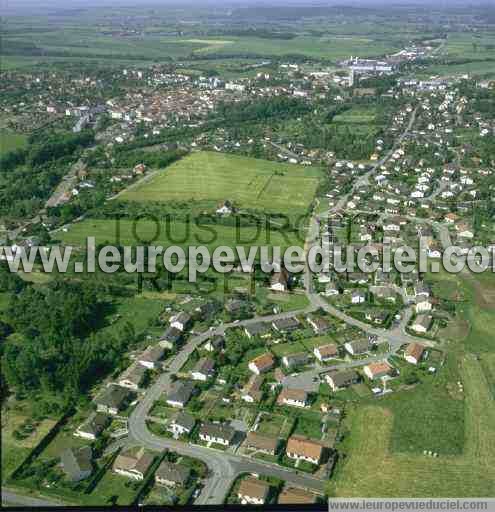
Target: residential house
[(182, 424), (377, 316), (384, 293), (133, 377), (216, 433), (326, 352), (331, 289), (260, 329), (422, 323), (180, 393), (151, 357), (170, 338), (303, 448), (182, 321), (377, 370), (293, 397), (93, 426), (414, 353), (225, 208), (172, 475), (236, 306), (76, 463), (204, 369), (262, 364), (252, 392), (113, 399), (423, 306), (261, 443), (253, 491), (133, 463), (286, 324), (358, 297), (357, 347), (341, 379), (295, 360), (215, 344), (320, 325), (279, 281)]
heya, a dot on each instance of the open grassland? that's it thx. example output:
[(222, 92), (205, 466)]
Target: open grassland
[(172, 233), (474, 322), (430, 416), (247, 182), (372, 469)]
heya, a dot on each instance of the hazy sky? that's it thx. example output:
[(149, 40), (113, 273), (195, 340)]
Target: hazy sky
[(37, 6)]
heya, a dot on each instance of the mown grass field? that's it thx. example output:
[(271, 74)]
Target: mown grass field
[(173, 233), (248, 182), (372, 469)]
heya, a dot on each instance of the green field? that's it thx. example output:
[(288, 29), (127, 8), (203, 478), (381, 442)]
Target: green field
[(247, 182), (474, 321), (371, 469), (175, 233), (357, 115), (325, 47), (10, 141), (429, 417)]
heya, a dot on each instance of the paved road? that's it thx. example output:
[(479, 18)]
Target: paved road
[(13, 499)]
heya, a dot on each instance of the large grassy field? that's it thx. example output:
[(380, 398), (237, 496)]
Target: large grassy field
[(430, 416), (248, 182), (173, 233), (372, 469)]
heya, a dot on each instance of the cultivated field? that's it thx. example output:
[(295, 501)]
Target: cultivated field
[(372, 470), (249, 183)]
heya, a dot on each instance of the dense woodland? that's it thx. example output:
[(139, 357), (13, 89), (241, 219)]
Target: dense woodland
[(58, 348), (28, 176)]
